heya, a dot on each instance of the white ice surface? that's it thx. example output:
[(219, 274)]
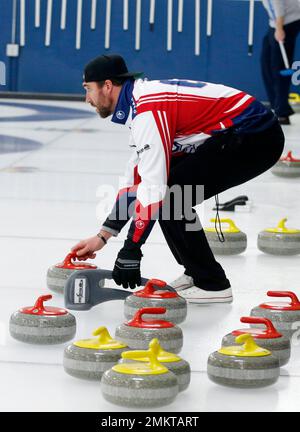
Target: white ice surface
[(46, 210)]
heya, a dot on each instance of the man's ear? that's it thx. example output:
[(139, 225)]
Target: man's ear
[(108, 85)]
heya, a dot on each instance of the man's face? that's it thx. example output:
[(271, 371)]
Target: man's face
[(100, 97)]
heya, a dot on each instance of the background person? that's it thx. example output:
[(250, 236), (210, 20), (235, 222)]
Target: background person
[(285, 29)]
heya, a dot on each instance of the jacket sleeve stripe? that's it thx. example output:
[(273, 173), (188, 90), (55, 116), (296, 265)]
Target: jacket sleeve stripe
[(163, 134), (144, 217)]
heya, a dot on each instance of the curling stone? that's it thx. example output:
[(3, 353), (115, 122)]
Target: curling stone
[(58, 274), (268, 338), (138, 333), (235, 240), (285, 316), (89, 358), (176, 306), (287, 166), (279, 240), (139, 384), (39, 324), (243, 366), (173, 363)]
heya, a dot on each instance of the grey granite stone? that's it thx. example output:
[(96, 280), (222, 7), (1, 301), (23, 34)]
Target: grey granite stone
[(286, 169), (90, 363), (176, 308), (139, 391), (279, 243), (243, 372), (171, 339), (286, 322), (235, 243), (37, 329), (57, 277)]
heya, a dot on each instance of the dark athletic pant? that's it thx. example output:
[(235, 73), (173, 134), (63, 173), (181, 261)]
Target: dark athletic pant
[(276, 85), (220, 163)]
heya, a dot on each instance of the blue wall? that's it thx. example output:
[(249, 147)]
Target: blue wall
[(58, 68)]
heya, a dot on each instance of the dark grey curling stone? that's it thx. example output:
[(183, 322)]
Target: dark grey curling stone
[(150, 296), (285, 316), (58, 274), (279, 240), (246, 366), (287, 166), (90, 358), (42, 325), (173, 363), (138, 333), (235, 241), (268, 338), (139, 384)]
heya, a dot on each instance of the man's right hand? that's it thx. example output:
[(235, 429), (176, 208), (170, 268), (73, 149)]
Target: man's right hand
[(86, 248)]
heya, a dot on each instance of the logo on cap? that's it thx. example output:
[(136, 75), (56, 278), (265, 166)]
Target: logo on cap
[(120, 115)]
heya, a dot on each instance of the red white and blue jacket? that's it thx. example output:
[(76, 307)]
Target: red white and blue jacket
[(171, 117)]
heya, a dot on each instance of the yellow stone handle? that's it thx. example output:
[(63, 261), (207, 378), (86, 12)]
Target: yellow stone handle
[(135, 355), (248, 349), (281, 226), (155, 347), (104, 336), (248, 341), (104, 341), (232, 226)]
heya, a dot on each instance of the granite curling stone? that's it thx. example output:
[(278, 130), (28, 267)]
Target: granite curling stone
[(235, 241), (285, 316), (173, 363), (138, 333), (176, 306), (287, 166), (39, 324), (90, 358), (139, 384), (268, 338), (58, 274), (279, 240), (243, 366)]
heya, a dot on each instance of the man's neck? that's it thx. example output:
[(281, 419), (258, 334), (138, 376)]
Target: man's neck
[(116, 94)]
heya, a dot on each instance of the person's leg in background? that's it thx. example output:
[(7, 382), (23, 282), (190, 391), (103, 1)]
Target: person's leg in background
[(283, 108), (267, 71), (282, 83), (234, 161)]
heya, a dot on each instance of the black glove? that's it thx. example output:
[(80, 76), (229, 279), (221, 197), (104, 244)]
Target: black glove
[(127, 271)]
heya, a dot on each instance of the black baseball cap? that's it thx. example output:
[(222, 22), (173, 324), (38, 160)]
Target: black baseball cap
[(107, 67)]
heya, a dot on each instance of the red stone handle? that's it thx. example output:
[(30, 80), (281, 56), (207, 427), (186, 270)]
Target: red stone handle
[(151, 284), (39, 304), (260, 320), (290, 158), (290, 294), (68, 260), (137, 319)]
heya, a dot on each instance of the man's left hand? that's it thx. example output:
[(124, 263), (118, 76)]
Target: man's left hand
[(127, 271)]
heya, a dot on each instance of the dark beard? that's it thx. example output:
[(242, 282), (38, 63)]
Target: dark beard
[(104, 112)]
